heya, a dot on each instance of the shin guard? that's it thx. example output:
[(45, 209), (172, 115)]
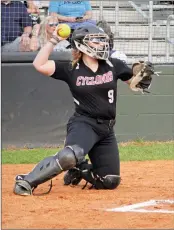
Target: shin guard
[(49, 168)]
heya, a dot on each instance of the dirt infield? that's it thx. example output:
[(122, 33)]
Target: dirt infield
[(67, 207)]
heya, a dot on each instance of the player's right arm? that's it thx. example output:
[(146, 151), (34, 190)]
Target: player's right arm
[(41, 62), (56, 69)]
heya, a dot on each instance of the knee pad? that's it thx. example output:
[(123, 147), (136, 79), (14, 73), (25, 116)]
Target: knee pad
[(98, 182), (111, 181), (69, 157)]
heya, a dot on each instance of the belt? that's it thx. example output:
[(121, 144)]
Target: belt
[(109, 123)]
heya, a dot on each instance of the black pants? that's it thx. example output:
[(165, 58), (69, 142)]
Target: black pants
[(98, 140)]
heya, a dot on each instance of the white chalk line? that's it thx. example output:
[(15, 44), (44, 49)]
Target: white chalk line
[(138, 207)]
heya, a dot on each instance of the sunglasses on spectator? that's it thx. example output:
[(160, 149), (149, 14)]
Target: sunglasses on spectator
[(52, 24)]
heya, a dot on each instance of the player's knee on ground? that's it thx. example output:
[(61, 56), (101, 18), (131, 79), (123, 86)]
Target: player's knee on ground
[(51, 167), (98, 182), (111, 181)]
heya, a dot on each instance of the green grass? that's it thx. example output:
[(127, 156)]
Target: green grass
[(133, 151), (142, 152)]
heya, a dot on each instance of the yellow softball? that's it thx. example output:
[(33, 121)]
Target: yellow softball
[(63, 30)]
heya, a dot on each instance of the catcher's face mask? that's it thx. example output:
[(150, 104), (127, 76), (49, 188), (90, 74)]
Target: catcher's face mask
[(95, 45)]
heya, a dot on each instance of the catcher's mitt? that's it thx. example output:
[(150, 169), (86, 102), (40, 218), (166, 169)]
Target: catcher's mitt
[(142, 76)]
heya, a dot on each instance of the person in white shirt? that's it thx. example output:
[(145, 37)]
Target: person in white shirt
[(113, 53)]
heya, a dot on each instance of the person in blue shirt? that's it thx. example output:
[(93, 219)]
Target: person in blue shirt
[(74, 13)]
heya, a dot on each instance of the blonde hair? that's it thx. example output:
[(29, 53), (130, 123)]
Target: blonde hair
[(76, 56), (43, 35)]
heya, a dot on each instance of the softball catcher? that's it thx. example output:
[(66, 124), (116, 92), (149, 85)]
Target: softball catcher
[(92, 78)]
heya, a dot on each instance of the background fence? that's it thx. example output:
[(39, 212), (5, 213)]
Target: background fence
[(142, 29)]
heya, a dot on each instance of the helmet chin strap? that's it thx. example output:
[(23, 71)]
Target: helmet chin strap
[(89, 51)]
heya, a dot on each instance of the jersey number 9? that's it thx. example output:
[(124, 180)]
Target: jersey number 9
[(111, 96)]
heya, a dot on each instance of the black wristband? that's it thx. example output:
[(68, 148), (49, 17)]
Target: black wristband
[(54, 43), (55, 38)]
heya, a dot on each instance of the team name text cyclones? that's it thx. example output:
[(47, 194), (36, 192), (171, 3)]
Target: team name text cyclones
[(98, 80)]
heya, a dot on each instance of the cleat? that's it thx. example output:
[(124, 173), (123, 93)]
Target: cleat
[(21, 186), (74, 176), (20, 177)]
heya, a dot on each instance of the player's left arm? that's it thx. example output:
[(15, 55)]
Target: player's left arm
[(139, 77), (142, 76)]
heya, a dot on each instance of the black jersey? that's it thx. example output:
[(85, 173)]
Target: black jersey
[(94, 93)]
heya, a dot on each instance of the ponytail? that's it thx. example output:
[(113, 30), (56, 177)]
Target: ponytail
[(77, 55)]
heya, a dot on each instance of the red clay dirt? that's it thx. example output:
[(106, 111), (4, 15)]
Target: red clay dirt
[(67, 207)]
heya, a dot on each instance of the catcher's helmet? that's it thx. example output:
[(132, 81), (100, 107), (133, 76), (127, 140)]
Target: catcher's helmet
[(83, 36)]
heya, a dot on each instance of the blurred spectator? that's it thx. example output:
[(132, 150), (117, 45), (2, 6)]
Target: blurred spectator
[(15, 26), (34, 13), (33, 6), (74, 13), (42, 36), (35, 18), (113, 53), (33, 10)]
